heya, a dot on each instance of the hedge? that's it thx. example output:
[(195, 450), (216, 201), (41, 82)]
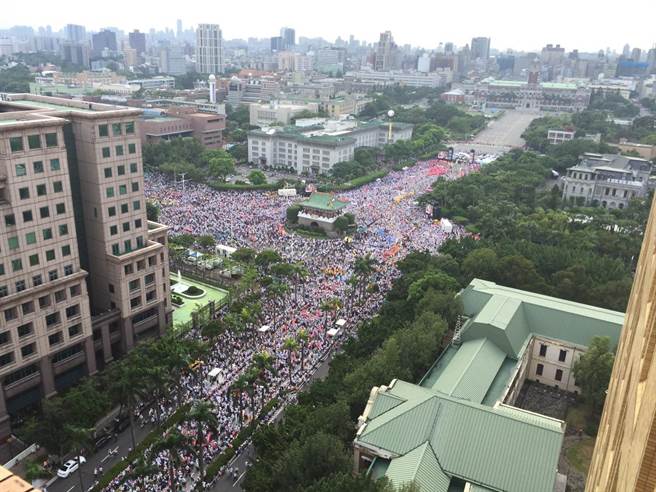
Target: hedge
[(355, 182), (152, 436), (224, 458), (243, 187)]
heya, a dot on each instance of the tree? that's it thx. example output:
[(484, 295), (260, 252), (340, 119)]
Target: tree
[(303, 340), (80, 439), (291, 346), (220, 163), (152, 210), (292, 213), (204, 418), (127, 380), (207, 242), (481, 263), (592, 372), (49, 430), (257, 177), (342, 223), (238, 388)]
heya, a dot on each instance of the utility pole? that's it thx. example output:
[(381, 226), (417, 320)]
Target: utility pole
[(182, 180)]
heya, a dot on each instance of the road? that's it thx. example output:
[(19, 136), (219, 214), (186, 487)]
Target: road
[(501, 135)]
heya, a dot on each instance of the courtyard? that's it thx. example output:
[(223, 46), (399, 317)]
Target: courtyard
[(204, 293)]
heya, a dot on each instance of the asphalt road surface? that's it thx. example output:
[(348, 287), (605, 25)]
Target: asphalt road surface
[(500, 135)]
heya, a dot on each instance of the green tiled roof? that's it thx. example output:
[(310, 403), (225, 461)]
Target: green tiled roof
[(471, 371), (383, 403), (489, 446), (421, 467), (324, 201)]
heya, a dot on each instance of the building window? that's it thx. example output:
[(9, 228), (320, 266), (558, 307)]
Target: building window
[(562, 355), (60, 208), (34, 141), (10, 314), (126, 226), (543, 350), (141, 265), (37, 280), (151, 295), (16, 144), (52, 275), (55, 165), (60, 296), (135, 186), (13, 242), (51, 140), (16, 265), (40, 190), (109, 192), (6, 359), (27, 350), (20, 286), (10, 220), (52, 319), (44, 212), (27, 308), (135, 302), (140, 242), (129, 128), (73, 311), (127, 245), (539, 369), (50, 255), (4, 338), (115, 250), (134, 285), (136, 205), (120, 170), (137, 224), (111, 211), (113, 230), (127, 269), (2, 269), (559, 375), (122, 189), (132, 149), (119, 150), (67, 353), (116, 129), (103, 130), (124, 208), (63, 229), (20, 170), (105, 152), (47, 233), (66, 250), (74, 330), (27, 216), (68, 270), (55, 338), (75, 290), (108, 172), (44, 302), (4, 292), (25, 330), (149, 279), (23, 193), (34, 260)]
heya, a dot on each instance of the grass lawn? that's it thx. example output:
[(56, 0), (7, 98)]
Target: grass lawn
[(579, 454), (577, 416), (182, 314)]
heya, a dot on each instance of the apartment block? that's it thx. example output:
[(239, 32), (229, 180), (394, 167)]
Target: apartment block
[(83, 274)]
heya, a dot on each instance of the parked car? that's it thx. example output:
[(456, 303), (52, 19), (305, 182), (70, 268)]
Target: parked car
[(70, 466)]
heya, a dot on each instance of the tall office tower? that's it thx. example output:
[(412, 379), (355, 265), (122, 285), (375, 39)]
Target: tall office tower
[(624, 457), (277, 43), (75, 33), (289, 37), (626, 51), (172, 60), (178, 28), (651, 61), (104, 39), (75, 53), (73, 209), (480, 48), (386, 53), (209, 49), (636, 53), (137, 41)]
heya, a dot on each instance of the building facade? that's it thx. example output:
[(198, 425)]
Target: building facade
[(137, 41), (556, 137), (84, 274), (608, 180), (209, 49), (624, 457), (277, 112)]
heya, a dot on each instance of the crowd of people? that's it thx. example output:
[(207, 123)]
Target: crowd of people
[(390, 224)]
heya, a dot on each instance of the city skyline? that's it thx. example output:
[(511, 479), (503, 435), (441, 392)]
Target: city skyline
[(611, 29)]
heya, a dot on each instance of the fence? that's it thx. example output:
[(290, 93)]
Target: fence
[(212, 277), (21, 456)]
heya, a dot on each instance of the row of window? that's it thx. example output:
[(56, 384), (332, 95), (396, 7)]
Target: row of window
[(117, 129), (119, 150), (561, 356), (31, 237), (27, 371), (17, 144), (40, 189), (50, 255), (37, 167), (37, 280), (122, 189), (127, 246), (120, 170), (44, 302), (558, 375)]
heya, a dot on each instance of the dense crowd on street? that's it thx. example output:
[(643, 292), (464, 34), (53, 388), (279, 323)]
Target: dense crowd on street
[(390, 225)]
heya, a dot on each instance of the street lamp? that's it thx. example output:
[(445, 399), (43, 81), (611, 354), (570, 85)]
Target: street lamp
[(390, 115)]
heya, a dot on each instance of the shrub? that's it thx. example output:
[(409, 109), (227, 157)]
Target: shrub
[(194, 291)]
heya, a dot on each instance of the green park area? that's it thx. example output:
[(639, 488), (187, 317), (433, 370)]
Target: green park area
[(202, 294)]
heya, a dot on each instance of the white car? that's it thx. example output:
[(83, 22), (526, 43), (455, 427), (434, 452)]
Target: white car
[(69, 467)]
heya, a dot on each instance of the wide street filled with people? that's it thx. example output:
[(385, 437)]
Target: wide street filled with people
[(390, 225)]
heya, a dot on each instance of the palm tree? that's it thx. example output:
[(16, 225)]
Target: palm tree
[(331, 305), (80, 439), (303, 340), (300, 273), (363, 267), (276, 291), (263, 362), (290, 345), (203, 415), (239, 388), (175, 443), (128, 385), (158, 380)]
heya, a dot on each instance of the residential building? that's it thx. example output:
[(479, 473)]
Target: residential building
[(424, 63), (252, 90), (154, 83), (76, 53), (84, 273), (623, 457), (643, 150), (130, 57), (556, 137), (330, 60), (609, 180), (75, 33), (209, 49), (278, 112), (317, 148), (172, 60), (137, 41), (178, 122), (449, 428), (343, 105)]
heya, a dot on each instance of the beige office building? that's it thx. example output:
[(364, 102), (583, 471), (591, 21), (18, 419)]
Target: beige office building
[(625, 453), (72, 208)]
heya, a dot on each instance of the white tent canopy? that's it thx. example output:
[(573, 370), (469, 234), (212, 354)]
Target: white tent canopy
[(447, 226), (333, 332), (264, 328), (340, 322), (214, 373)]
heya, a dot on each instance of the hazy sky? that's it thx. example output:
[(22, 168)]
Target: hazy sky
[(523, 24)]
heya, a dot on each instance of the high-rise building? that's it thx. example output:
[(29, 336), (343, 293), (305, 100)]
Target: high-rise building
[(178, 28), (172, 60), (626, 51), (651, 61), (289, 37), (277, 43), (480, 48), (83, 273), (386, 57), (209, 49), (75, 53), (624, 457), (104, 40), (137, 41), (75, 33), (636, 53)]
